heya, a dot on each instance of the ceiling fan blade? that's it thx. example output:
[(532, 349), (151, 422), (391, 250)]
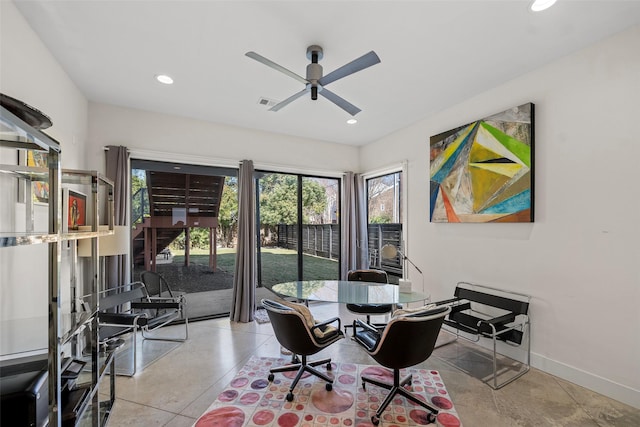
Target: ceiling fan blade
[(270, 63), (290, 99), (340, 102), (365, 61)]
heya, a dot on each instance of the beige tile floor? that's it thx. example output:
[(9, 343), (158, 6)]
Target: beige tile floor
[(176, 389)]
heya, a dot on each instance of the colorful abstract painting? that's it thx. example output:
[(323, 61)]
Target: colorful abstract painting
[(483, 171)]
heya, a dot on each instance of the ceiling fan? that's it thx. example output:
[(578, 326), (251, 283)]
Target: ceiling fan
[(315, 81)]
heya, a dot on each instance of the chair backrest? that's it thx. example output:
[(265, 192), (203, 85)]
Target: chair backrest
[(409, 339), (155, 283), (291, 329), (116, 297), (376, 276), (504, 300)]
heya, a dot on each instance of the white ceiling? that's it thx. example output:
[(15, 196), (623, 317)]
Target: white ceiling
[(434, 54)]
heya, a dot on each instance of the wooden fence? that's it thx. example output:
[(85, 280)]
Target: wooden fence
[(323, 240), (379, 235)]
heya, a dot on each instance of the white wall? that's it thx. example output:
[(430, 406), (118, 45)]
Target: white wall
[(580, 260), (175, 138), (30, 73)]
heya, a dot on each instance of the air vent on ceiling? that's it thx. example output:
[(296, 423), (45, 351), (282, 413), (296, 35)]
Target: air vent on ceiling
[(267, 102)]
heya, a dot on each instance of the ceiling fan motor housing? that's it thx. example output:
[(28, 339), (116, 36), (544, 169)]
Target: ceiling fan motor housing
[(314, 70), (315, 81)]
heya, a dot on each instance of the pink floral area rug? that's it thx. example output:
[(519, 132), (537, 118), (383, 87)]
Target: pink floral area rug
[(251, 400)]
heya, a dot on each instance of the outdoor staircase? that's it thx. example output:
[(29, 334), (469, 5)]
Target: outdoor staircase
[(177, 202), (164, 238)]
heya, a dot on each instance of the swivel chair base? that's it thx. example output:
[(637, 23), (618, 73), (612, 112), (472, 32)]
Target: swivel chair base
[(303, 367), (398, 388)]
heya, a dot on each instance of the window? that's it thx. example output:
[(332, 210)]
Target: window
[(384, 220)]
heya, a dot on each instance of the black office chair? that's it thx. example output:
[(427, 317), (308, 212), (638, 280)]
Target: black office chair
[(298, 332), (407, 340), (376, 276)]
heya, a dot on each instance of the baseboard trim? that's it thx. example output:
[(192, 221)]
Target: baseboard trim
[(604, 386)]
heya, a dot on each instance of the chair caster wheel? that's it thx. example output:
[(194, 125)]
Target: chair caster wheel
[(375, 420), (431, 418), (329, 366), (289, 397), (271, 377), (328, 386)]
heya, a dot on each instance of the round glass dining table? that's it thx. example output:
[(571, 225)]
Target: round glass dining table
[(347, 292)]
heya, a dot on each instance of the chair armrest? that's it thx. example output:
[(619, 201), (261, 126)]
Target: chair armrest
[(327, 322), (119, 318), (360, 324), (161, 299), (507, 318), (151, 305), (446, 301), (365, 335)]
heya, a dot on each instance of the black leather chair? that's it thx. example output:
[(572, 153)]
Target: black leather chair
[(407, 340), (297, 331), (375, 276)]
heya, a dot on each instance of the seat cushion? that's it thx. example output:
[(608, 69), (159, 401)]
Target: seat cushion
[(370, 308), (408, 311), (309, 320)]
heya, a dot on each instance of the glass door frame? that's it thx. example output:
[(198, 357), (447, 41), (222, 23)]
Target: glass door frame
[(258, 174)]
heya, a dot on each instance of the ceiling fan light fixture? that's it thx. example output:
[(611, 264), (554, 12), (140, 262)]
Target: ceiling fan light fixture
[(315, 81), (540, 5), (164, 79)]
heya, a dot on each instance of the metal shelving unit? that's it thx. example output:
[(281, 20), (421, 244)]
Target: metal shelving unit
[(72, 327)]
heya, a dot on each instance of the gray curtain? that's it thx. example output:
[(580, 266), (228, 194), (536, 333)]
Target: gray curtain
[(354, 225), (243, 302), (117, 270)]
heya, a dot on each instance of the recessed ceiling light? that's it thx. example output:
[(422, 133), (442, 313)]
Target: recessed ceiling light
[(163, 78), (352, 121), (539, 5)]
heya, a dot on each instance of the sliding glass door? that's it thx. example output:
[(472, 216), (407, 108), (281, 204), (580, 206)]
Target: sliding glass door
[(184, 228), (299, 227), (320, 228)]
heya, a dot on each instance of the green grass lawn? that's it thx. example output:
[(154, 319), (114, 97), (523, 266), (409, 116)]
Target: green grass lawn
[(278, 265)]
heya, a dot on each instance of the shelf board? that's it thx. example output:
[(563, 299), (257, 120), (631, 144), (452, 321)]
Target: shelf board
[(28, 173), (19, 131), (23, 239)]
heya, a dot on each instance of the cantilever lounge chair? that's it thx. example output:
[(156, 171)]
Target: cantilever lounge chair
[(138, 310)]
